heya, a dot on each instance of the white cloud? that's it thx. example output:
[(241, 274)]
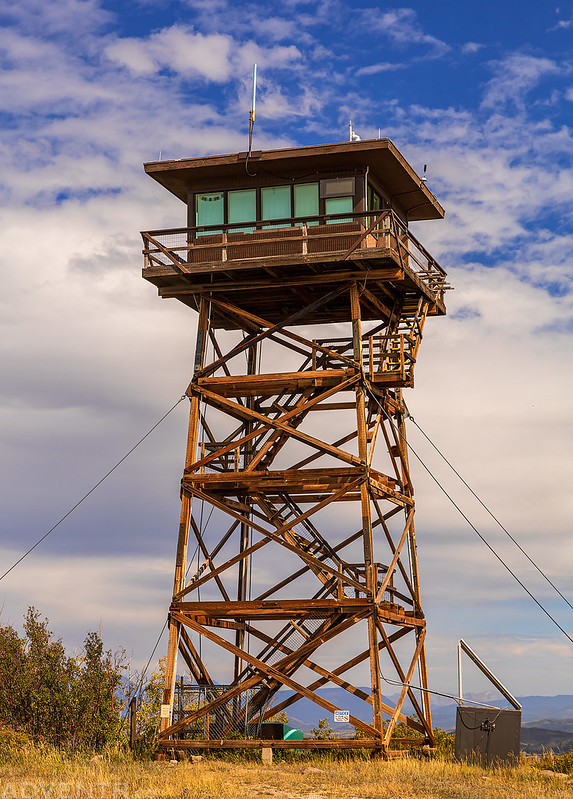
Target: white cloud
[(515, 76), (402, 27), (472, 47), (375, 69), (109, 595), (132, 54), (47, 17), (178, 49), (561, 25)]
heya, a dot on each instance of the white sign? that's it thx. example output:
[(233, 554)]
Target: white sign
[(342, 716), (165, 711)]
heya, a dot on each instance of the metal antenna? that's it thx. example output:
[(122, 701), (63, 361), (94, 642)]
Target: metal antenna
[(352, 135), (252, 119)]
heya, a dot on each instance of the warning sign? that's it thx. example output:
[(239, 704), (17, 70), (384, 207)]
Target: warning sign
[(342, 715)]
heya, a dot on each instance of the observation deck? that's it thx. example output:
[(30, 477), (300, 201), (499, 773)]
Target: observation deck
[(305, 219)]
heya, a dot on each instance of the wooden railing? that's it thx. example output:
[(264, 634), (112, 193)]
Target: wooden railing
[(345, 233), (382, 355)]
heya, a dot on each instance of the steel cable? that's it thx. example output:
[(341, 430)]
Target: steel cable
[(99, 482), (463, 515)]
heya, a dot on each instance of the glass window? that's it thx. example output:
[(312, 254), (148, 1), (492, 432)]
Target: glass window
[(374, 204), (209, 210), (338, 205), (275, 202), (374, 200), (242, 207), (306, 200), (337, 187)]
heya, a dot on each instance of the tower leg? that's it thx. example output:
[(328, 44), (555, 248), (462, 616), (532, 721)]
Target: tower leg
[(182, 541), (371, 578)]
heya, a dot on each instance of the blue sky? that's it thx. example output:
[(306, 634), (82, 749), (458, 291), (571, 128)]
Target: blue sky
[(90, 358)]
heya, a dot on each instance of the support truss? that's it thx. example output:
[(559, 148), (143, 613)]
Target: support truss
[(305, 573)]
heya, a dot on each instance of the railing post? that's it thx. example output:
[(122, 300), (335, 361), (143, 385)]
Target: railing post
[(224, 246), (371, 355)]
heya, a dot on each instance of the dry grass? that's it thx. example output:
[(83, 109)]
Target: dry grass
[(50, 775)]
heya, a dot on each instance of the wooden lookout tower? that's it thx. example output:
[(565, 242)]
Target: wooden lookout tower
[(296, 567)]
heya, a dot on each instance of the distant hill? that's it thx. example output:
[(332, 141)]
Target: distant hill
[(535, 740), (547, 720), (557, 709)]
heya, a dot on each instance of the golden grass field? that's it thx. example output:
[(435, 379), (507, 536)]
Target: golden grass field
[(52, 775)]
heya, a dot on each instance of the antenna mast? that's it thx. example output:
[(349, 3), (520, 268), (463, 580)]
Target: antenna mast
[(252, 112), (252, 119)]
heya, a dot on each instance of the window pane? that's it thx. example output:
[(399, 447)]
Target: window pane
[(209, 210), (306, 200), (374, 200), (275, 202), (337, 187), (374, 204), (338, 205), (242, 207)]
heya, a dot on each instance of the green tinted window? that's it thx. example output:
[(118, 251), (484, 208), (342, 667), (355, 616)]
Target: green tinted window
[(374, 200), (306, 199), (338, 205), (242, 207), (209, 210), (275, 202)]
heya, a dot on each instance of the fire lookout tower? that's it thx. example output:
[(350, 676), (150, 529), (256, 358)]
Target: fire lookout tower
[(296, 563)]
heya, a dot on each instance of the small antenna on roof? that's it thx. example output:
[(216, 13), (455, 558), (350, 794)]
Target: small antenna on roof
[(352, 136), (252, 119), (424, 179)]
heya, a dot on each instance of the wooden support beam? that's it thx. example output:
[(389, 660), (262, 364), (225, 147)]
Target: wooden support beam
[(276, 674), (405, 687), (181, 556), (276, 537)]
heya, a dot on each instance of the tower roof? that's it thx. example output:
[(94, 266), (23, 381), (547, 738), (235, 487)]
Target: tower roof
[(379, 156)]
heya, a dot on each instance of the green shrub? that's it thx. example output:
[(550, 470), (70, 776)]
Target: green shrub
[(563, 763), (64, 701)]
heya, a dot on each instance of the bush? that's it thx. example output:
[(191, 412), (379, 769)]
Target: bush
[(563, 763), (445, 742), (324, 731), (68, 702)]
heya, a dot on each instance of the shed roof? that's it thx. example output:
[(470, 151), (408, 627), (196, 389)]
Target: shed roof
[(380, 156)]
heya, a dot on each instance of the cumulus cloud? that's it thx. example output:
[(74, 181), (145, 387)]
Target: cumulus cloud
[(49, 18), (403, 29), (515, 76), (177, 48)]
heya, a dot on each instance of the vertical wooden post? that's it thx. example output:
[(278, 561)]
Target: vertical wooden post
[(366, 513), (409, 490), (245, 530), (132, 721), (181, 556)]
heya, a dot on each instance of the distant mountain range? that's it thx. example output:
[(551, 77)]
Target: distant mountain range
[(547, 720)]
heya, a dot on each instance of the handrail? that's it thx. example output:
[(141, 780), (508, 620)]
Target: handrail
[(374, 225), (263, 224)]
